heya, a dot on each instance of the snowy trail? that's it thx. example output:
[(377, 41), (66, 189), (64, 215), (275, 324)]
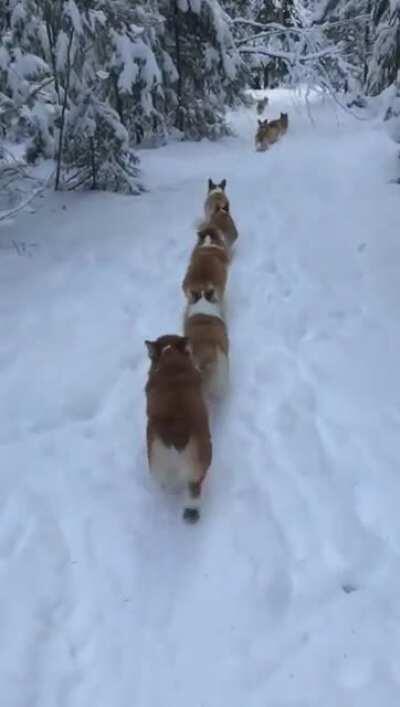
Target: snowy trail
[(287, 592)]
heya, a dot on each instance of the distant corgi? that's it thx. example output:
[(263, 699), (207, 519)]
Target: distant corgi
[(284, 123), (216, 199), (262, 104), (206, 330), (178, 436), (208, 267), (269, 131)]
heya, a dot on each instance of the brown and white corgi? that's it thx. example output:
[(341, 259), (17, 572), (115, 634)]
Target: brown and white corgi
[(178, 436), (217, 210), (208, 268), (206, 330), (216, 199), (269, 131), (223, 221)]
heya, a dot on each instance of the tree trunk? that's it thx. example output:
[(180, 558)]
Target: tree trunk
[(179, 112), (118, 100), (93, 162), (367, 35), (51, 31), (63, 112)]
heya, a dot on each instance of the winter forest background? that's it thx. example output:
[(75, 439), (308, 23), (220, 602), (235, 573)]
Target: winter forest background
[(287, 592), (85, 82)]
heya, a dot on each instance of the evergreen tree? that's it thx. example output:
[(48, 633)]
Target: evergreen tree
[(210, 73), (25, 78), (98, 154), (385, 61), (250, 20), (125, 71)]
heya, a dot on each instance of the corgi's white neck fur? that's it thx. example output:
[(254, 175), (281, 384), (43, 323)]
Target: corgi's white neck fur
[(204, 306), (207, 243), (216, 190)]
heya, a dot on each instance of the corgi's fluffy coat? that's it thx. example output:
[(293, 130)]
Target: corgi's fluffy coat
[(206, 330), (208, 267), (178, 435), (217, 212), (223, 222)]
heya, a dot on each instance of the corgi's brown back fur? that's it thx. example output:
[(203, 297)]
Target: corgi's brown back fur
[(178, 435), (209, 342), (208, 267), (223, 221)]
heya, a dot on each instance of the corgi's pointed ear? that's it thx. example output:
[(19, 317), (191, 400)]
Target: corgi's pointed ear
[(211, 185), (260, 122), (151, 349), (223, 184)]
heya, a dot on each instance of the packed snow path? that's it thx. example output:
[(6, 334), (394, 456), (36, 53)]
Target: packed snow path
[(287, 593)]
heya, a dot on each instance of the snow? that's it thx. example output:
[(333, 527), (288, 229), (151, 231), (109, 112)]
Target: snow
[(286, 593), (61, 53), (137, 59), (73, 13), (26, 65)]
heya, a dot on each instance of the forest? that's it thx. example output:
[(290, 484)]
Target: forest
[(87, 83)]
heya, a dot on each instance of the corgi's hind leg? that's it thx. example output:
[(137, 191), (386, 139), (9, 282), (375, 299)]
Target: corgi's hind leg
[(191, 511)]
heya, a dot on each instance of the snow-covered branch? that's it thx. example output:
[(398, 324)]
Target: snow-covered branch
[(286, 56)]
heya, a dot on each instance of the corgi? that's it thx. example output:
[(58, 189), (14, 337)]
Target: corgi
[(284, 119), (269, 131), (216, 199), (206, 330), (262, 104), (217, 211), (223, 222), (179, 446), (208, 267)]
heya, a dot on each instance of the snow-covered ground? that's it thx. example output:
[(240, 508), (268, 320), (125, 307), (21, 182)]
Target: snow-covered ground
[(287, 593)]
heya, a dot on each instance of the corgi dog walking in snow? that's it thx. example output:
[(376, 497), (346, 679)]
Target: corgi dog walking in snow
[(206, 330), (217, 211), (269, 131), (178, 436), (216, 199), (284, 118), (208, 267), (224, 223)]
